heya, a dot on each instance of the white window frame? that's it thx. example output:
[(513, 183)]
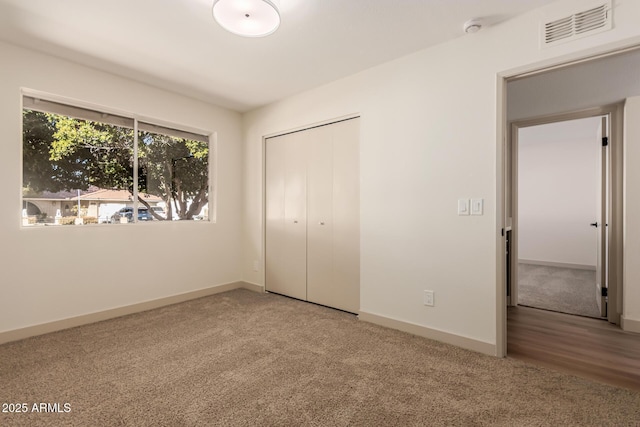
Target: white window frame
[(149, 124)]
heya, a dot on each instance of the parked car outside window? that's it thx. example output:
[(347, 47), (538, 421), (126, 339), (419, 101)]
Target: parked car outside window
[(159, 210), (127, 212)]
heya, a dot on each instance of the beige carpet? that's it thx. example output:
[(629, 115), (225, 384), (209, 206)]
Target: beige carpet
[(247, 359), (566, 290)]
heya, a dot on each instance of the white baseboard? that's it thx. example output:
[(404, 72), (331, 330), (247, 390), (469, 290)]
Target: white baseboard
[(629, 325), (434, 334), (252, 286), (557, 264), (45, 328)]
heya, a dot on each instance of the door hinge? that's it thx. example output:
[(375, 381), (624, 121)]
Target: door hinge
[(603, 292), (605, 141)]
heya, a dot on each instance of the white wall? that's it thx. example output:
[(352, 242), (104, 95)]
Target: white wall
[(631, 290), (557, 192), (54, 273), (428, 137)]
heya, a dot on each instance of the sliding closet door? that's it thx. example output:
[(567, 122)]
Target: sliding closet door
[(286, 216), (333, 257)]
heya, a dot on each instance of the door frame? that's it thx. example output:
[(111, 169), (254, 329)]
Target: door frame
[(612, 203), (502, 162)]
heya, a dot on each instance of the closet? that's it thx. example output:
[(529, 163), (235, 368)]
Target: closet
[(312, 215)]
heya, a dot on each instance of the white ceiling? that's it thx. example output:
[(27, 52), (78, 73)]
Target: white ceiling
[(176, 44)]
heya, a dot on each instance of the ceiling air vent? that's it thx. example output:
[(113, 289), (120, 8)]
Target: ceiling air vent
[(578, 25)]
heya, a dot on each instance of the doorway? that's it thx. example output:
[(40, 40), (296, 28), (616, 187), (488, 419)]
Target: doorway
[(577, 85), (564, 211), (562, 198)]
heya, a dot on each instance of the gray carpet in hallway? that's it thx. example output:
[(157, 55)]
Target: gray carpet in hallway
[(247, 359), (567, 290)]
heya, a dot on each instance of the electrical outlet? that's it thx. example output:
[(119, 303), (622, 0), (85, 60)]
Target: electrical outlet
[(256, 265), (428, 298)]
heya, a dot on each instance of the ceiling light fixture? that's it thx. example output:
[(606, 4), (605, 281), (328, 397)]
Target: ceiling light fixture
[(472, 26), (247, 18)]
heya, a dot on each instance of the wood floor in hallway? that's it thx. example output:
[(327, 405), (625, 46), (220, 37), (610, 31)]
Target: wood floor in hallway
[(590, 348)]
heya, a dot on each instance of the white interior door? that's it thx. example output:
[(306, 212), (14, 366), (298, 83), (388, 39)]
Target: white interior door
[(320, 255), (601, 221), (286, 216), (333, 260), (346, 214)]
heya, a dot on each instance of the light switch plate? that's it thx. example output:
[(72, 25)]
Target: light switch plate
[(463, 206), (477, 206)]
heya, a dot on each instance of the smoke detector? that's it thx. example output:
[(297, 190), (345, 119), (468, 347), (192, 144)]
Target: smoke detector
[(472, 26)]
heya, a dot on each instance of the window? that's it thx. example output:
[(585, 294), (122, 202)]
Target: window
[(88, 167)]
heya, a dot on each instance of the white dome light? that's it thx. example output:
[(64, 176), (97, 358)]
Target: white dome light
[(247, 18)]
